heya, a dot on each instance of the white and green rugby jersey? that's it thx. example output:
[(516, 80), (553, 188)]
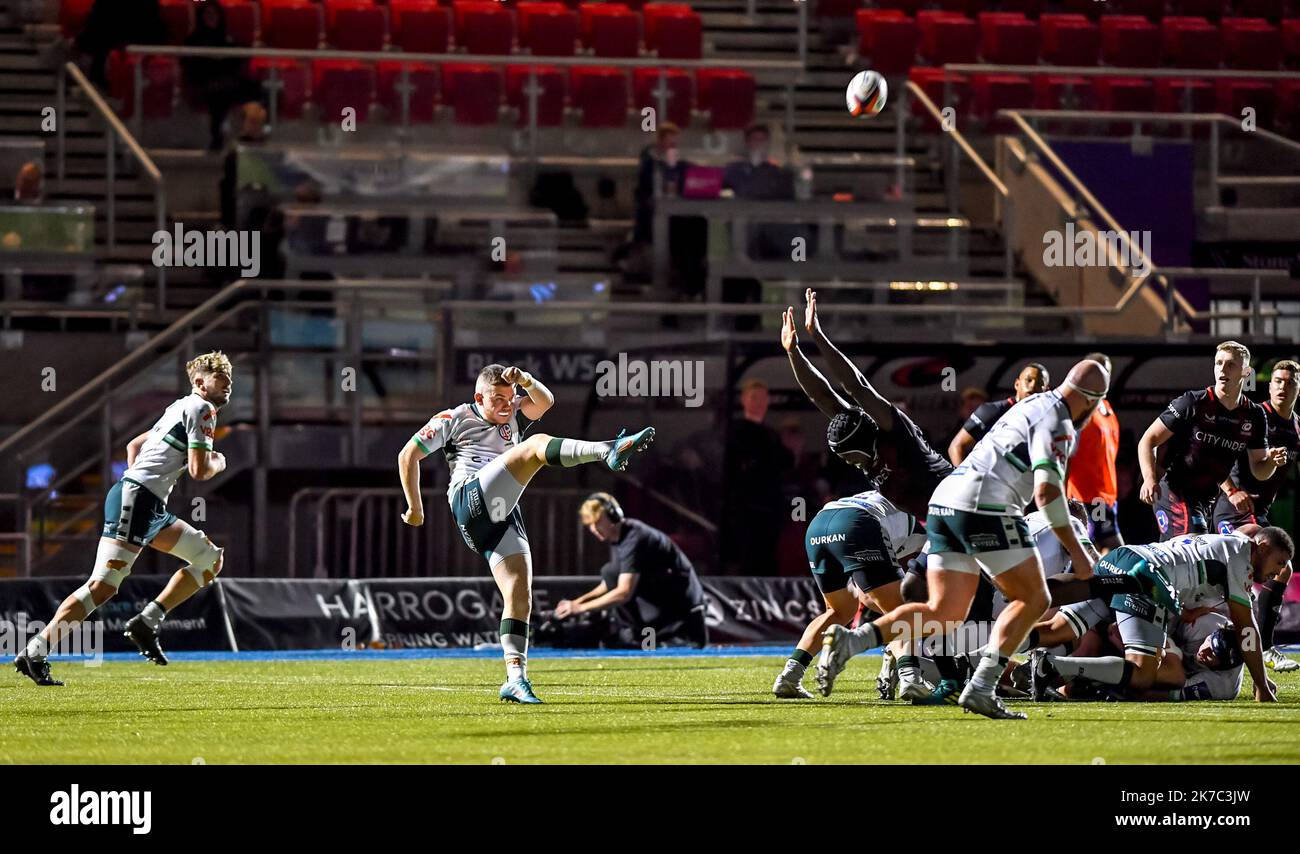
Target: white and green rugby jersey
[(469, 440), (900, 529), (188, 423), (1050, 550), (998, 477), (1205, 569)]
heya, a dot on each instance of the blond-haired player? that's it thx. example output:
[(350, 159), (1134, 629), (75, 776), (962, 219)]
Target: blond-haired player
[(490, 467), (136, 515)]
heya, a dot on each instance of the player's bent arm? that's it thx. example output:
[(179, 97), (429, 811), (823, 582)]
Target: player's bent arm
[(204, 464), (1243, 620), (133, 447), (1051, 500), (1262, 465), (1155, 436), (621, 593), (408, 468), (961, 446), (540, 399)]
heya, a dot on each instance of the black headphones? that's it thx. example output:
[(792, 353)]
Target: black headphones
[(613, 511)]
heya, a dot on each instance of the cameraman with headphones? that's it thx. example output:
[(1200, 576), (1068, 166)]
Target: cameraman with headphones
[(648, 583)]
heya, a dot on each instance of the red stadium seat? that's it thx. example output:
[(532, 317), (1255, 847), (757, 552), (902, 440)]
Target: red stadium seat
[(1069, 40), (178, 18), (645, 85), (889, 40), (611, 30), (1125, 94), (1062, 92), (337, 84), (242, 21), (728, 96), (673, 31), (1251, 43), (1291, 41), (293, 24), (474, 92), (292, 78), (550, 100), (420, 26), (1008, 38), (161, 73), (72, 16), (933, 82), (357, 25), (423, 79), (548, 32), (1129, 41), (948, 37), (1191, 42), (1184, 95), (1234, 96), (601, 95), (995, 92), (485, 28)]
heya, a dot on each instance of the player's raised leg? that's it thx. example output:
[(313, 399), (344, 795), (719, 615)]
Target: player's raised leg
[(203, 563)]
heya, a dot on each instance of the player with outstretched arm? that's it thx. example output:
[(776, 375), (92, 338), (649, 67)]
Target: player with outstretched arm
[(490, 468)]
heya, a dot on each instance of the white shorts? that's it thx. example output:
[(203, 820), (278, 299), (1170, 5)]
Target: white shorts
[(992, 564)]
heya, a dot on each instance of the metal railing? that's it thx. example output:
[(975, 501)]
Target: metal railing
[(117, 132)]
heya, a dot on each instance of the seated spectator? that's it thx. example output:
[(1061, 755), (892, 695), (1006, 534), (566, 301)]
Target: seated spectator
[(29, 187), (218, 84)]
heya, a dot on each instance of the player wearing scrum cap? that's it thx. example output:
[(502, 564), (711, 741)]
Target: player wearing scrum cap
[(136, 515), (976, 524), (1206, 431), (866, 537), (490, 468)]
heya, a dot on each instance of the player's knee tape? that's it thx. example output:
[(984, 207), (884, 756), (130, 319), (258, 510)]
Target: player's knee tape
[(112, 564), (82, 595), (200, 555)]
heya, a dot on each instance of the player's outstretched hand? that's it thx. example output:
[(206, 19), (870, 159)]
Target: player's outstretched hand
[(1149, 490), (810, 321), (1241, 501), (1266, 693), (414, 518), (789, 337), (564, 609)]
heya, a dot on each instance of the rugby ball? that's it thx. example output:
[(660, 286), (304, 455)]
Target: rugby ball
[(866, 94)]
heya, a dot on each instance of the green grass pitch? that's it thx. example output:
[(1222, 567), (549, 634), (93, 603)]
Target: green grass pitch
[(612, 710)]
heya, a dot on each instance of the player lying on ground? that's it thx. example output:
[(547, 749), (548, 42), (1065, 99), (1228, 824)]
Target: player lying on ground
[(649, 585), (1206, 571), (136, 515), (490, 468), (976, 524), (863, 537)]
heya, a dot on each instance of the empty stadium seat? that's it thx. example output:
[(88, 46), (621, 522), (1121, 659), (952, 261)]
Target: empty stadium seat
[(601, 95), (551, 31), (1291, 41), (948, 37), (1130, 41), (1063, 92), (1184, 95), (933, 81), (550, 100), (242, 21), (1008, 38), (178, 18), (357, 25), (420, 26), (1251, 43), (888, 39), (473, 92), (1234, 95), (485, 28), (292, 77), (610, 29), (727, 95), (338, 84), (423, 79), (1191, 42), (673, 31), (645, 84), (1125, 94), (161, 73), (1069, 39), (293, 25), (995, 92)]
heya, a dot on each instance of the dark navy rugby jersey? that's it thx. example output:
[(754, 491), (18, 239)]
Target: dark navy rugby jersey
[(1208, 439)]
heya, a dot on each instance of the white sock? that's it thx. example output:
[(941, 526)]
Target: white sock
[(575, 452), (1109, 670), (793, 671), (153, 615), (909, 669), (38, 647), (989, 671), (863, 638), (514, 643)]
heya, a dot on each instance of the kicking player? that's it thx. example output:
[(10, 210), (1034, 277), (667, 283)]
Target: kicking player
[(976, 523), (863, 537), (490, 467), (1206, 431), (1033, 379), (136, 515), (1206, 570)]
